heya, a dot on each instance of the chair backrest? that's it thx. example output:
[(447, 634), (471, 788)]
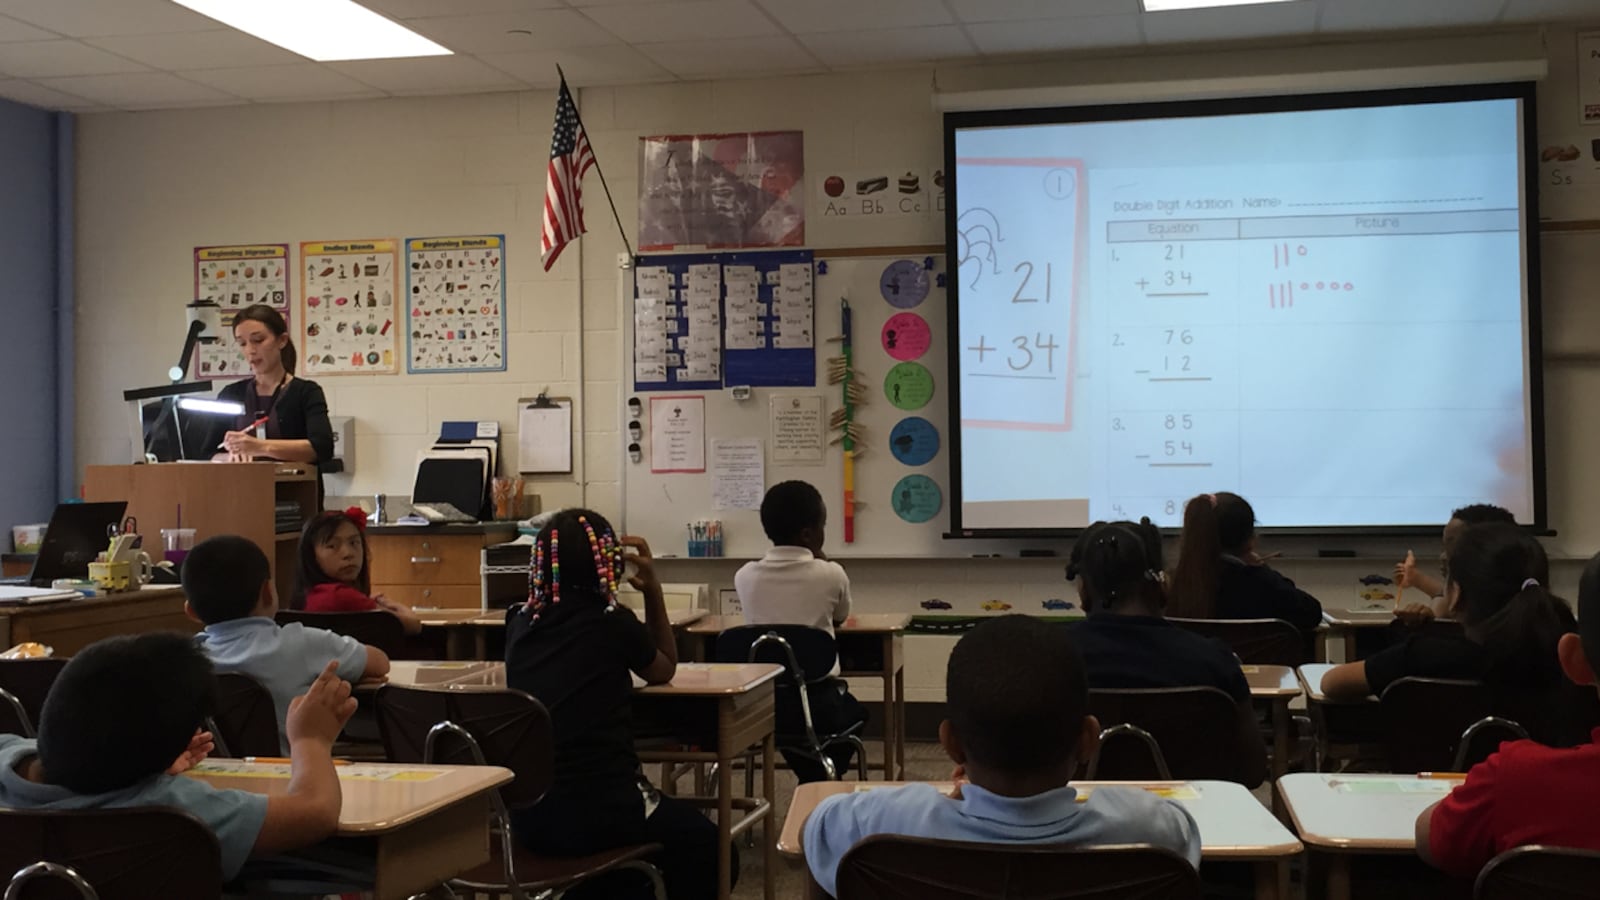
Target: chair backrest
[(375, 628), (893, 867), (1257, 642), (814, 649), (243, 718), (17, 888), (29, 681), (510, 729), (1196, 728), (122, 853), (1424, 718), (1548, 873), (1484, 737)]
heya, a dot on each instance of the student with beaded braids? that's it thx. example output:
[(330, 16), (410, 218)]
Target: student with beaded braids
[(573, 647), (1127, 643)]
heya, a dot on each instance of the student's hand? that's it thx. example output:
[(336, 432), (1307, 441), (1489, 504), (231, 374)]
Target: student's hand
[(643, 562), (959, 776), (1405, 572), (200, 746), (320, 713), (384, 602), (242, 443), (1414, 614)]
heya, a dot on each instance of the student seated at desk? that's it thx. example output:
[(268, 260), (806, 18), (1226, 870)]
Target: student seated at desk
[(1126, 643), (1018, 724), (334, 572), (229, 591), (1527, 793), (1512, 623), (1409, 575), (1219, 575), (575, 648), (122, 721), (796, 584)]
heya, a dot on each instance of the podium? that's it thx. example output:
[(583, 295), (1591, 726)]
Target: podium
[(216, 498)]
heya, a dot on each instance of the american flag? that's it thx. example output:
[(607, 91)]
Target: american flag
[(570, 158)]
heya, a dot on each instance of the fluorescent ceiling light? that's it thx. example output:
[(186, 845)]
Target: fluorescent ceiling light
[(214, 407), (1169, 5), (324, 30)]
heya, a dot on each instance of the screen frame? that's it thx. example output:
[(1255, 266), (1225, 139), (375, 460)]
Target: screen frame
[(1523, 91)]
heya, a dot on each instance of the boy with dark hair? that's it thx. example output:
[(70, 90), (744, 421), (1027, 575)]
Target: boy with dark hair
[(1527, 793), (1407, 573), (226, 580), (796, 584), (1018, 725), (121, 722)]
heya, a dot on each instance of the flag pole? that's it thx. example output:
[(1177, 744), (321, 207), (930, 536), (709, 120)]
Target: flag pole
[(621, 232)]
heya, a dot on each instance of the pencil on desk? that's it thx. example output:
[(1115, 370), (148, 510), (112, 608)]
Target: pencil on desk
[(284, 760), (1443, 776)]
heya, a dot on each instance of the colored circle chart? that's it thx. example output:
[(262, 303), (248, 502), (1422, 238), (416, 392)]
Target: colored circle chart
[(904, 283), (909, 385), (906, 336), (916, 498), (914, 441)]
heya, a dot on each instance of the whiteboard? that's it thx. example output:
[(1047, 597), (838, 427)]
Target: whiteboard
[(659, 506)]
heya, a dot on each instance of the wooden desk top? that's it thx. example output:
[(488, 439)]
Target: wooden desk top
[(1233, 823), (377, 797), (1272, 681), (691, 680), (428, 673), (477, 618), (866, 623), (440, 618), (1359, 812), (1375, 615), (148, 594), (1311, 679)]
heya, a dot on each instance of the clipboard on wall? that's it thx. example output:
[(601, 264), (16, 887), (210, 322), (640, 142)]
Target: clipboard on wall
[(544, 435)]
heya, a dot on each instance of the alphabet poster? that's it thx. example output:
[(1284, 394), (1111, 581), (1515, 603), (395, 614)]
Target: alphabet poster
[(349, 307), (233, 277), (456, 304)]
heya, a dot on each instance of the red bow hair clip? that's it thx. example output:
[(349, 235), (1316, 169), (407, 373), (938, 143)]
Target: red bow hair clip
[(359, 516)]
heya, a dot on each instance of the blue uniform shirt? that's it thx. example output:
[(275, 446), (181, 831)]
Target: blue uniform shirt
[(1109, 816), (235, 817), (285, 660)]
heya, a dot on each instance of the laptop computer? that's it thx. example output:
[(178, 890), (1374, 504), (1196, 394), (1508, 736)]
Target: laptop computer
[(75, 536)]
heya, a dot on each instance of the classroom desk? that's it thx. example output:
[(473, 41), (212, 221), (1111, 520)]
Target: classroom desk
[(1342, 622), (422, 831), (1339, 816), (1358, 719), (1276, 686), (467, 630), (75, 624), (1233, 826), (874, 638), (429, 673)]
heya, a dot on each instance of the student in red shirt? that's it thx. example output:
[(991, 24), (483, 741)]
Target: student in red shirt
[(334, 574), (1526, 793)]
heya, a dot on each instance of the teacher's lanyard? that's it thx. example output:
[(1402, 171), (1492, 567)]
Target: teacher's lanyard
[(271, 407)]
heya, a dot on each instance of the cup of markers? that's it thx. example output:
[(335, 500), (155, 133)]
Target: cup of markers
[(705, 538)]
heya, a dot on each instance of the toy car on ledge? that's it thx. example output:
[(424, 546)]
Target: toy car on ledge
[(996, 605), (1370, 580), (1058, 603), (935, 603), (1376, 594)]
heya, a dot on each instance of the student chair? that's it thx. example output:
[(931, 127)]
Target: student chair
[(243, 721), (498, 728), (1195, 729), (1257, 642), (807, 656), (1424, 720), (892, 867), (375, 628), (1482, 738), (24, 683), (132, 854), (1548, 873)]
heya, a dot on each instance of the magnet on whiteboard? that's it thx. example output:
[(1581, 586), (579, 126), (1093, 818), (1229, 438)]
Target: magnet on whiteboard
[(741, 392), (635, 431), (635, 453)]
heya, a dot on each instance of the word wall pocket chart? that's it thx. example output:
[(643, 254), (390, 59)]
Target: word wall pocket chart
[(350, 308), (232, 278), (456, 304)]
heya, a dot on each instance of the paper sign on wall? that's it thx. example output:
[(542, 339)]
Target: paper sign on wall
[(796, 430), (234, 277), (738, 475), (678, 434), (1589, 78)]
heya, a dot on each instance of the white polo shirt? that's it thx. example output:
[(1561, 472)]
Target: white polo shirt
[(789, 586)]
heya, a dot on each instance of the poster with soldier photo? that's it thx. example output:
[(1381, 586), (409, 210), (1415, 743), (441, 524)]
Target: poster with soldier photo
[(722, 190)]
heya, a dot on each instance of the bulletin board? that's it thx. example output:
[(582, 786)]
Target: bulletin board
[(657, 506)]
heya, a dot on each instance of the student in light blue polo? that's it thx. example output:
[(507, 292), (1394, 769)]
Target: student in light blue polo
[(227, 582), (1018, 724), (121, 725)]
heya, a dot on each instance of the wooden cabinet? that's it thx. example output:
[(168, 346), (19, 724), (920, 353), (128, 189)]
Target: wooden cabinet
[(433, 568)]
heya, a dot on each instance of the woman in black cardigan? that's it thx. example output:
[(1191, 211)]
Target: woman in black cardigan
[(296, 427)]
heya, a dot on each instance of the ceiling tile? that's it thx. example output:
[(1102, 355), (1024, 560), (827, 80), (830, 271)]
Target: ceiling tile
[(302, 81), (46, 59), (197, 50), (1379, 15), (141, 90), (1231, 22), (1020, 10), (12, 30), (698, 59), (1056, 34), (412, 9), (1552, 11), (844, 15), (43, 97), (867, 48), (696, 20), (427, 75), (99, 18), (551, 29), (596, 65)]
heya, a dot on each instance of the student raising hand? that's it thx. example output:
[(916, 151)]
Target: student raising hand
[(200, 746), (320, 713)]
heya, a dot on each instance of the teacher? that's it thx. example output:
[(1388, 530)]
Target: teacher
[(293, 411)]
